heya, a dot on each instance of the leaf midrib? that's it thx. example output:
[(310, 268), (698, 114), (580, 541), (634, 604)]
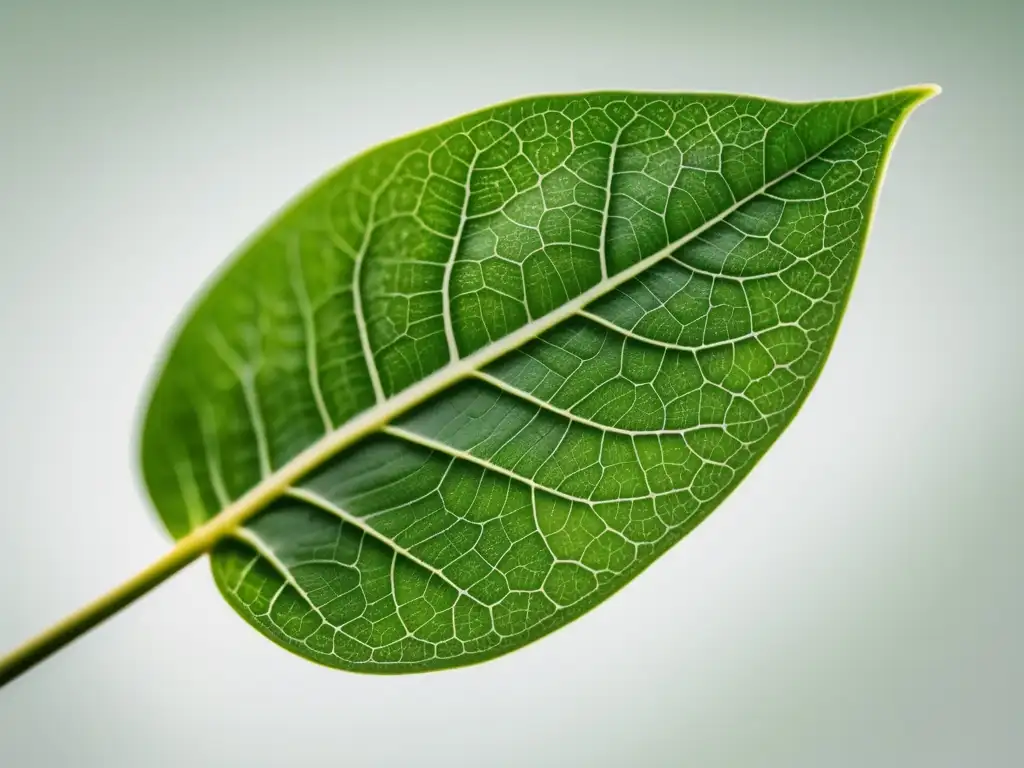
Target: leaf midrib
[(372, 420)]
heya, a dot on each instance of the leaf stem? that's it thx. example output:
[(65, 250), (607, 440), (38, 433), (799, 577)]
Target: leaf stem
[(199, 541), (188, 548), (43, 645)]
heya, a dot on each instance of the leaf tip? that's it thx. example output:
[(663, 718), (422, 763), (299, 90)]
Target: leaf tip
[(922, 93)]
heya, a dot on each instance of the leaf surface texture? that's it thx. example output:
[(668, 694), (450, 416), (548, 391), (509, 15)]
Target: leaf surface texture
[(518, 356)]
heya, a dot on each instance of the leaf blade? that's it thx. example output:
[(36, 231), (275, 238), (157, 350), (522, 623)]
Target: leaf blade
[(516, 574)]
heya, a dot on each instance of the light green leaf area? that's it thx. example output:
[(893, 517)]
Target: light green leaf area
[(478, 378)]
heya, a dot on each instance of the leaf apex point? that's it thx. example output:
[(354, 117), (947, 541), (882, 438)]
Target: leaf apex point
[(924, 91)]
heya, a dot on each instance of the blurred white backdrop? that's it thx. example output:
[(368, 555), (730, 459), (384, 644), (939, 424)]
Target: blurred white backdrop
[(856, 602)]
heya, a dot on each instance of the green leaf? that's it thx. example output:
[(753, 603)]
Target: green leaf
[(478, 378)]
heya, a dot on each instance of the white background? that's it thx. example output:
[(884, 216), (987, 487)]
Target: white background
[(858, 601)]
